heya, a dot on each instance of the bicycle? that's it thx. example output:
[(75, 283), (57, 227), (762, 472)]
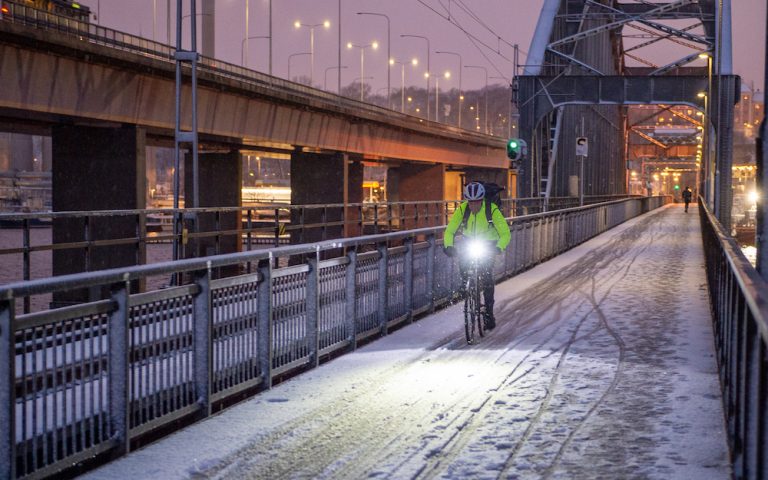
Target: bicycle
[(474, 309)]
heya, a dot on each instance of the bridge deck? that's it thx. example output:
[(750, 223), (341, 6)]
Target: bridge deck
[(602, 367)]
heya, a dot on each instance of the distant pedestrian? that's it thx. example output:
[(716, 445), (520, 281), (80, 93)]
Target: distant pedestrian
[(687, 195)]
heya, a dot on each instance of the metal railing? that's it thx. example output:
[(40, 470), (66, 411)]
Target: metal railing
[(739, 299), (87, 379), (251, 227)]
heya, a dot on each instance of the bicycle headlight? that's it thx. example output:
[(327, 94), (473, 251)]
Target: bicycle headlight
[(477, 249)]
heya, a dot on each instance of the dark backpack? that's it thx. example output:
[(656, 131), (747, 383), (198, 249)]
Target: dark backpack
[(492, 196)]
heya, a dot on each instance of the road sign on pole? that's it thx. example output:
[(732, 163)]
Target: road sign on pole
[(582, 146)]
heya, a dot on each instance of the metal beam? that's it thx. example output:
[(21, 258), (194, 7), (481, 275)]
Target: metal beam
[(614, 25), (649, 138)]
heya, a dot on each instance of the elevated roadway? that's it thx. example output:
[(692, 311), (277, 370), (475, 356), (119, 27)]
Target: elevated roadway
[(78, 73)]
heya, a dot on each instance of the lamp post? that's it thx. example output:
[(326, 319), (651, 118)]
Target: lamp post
[(485, 70), (312, 26), (374, 45), (325, 79), (447, 75), (204, 50), (389, 43), (413, 62), (289, 61), (247, 37), (509, 117), (461, 67), (243, 48), (427, 74), (709, 171)]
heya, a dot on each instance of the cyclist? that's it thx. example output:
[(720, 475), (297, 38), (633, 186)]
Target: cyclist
[(475, 225), (687, 195)]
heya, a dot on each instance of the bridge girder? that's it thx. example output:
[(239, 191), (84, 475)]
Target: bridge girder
[(580, 78)]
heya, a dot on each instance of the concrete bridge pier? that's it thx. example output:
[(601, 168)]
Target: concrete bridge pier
[(322, 179), (96, 168), (220, 186), (417, 182)]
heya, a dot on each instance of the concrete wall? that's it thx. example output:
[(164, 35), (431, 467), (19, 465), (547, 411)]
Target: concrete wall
[(96, 169), (323, 179), (220, 179)]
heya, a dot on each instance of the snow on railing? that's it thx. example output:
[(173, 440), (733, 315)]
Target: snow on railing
[(85, 379), (739, 299)]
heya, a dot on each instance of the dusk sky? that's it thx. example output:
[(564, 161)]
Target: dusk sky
[(497, 23)]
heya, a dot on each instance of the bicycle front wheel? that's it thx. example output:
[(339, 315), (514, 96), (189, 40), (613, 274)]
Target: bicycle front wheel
[(469, 314)]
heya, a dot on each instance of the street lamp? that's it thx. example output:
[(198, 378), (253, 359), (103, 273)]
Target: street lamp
[(312, 26), (289, 61), (413, 62), (245, 40), (427, 74), (509, 117), (485, 70), (389, 43), (243, 56), (325, 80), (374, 45), (708, 167), (461, 67), (447, 75)]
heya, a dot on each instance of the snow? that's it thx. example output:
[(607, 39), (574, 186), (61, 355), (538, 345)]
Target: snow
[(602, 366)]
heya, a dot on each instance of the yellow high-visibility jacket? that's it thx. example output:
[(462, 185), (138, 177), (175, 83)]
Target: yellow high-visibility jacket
[(478, 226)]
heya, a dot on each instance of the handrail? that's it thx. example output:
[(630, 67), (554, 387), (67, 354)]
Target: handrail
[(176, 353), (739, 300)]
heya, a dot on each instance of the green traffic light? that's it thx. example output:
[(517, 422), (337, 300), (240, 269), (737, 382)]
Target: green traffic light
[(677, 187), (512, 144)]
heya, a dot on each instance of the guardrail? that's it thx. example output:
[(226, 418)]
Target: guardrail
[(739, 299), (252, 227), (84, 380)]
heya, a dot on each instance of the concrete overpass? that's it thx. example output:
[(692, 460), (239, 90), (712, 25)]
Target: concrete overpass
[(103, 95)]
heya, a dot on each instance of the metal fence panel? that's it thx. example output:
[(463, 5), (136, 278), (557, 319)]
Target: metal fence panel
[(396, 285), (60, 387), (421, 294), (333, 299), (235, 333), (161, 355), (289, 318), (367, 293), (186, 346)]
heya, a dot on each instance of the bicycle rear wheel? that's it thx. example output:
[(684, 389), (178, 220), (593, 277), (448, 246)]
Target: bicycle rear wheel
[(480, 316)]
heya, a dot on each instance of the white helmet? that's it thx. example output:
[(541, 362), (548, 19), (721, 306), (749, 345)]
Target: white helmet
[(474, 191)]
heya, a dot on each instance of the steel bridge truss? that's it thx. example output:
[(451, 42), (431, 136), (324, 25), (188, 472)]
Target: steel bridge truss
[(591, 59)]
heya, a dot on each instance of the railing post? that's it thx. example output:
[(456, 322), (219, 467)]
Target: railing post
[(7, 400), (119, 365), (350, 310), (27, 263), (431, 271), (313, 284), (375, 218), (383, 300), (408, 280), (202, 340), (264, 312)]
